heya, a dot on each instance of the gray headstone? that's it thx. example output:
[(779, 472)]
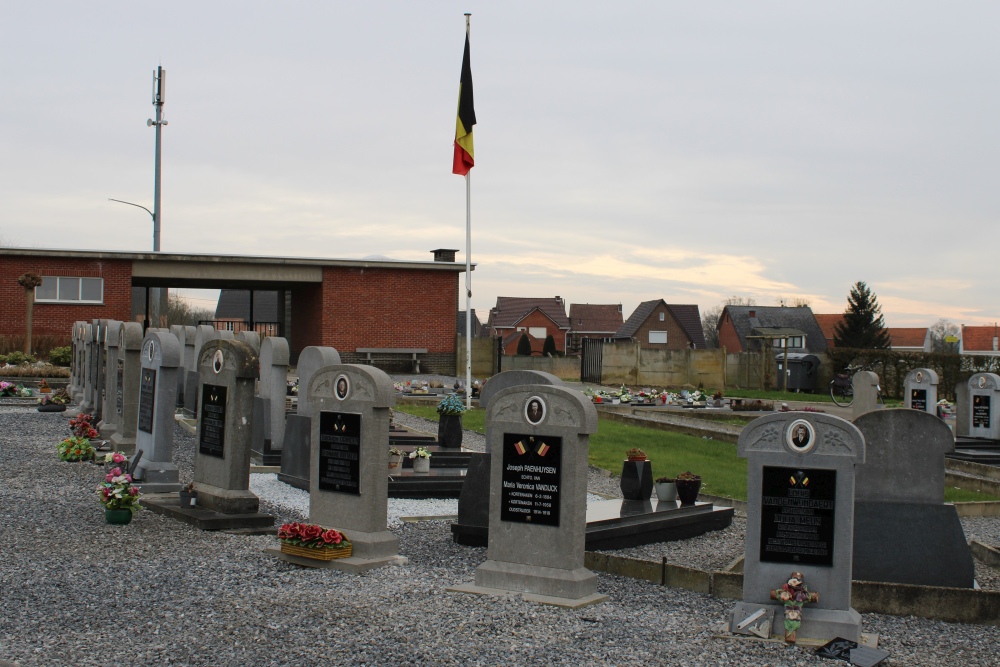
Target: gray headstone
[(903, 531), (188, 358), (348, 485), (97, 388), (228, 371), (800, 516), (84, 395), (178, 332), (76, 365), (865, 393), (538, 496), (251, 338), (984, 395), (311, 359), (920, 390), (272, 390), (127, 376), (963, 409), (159, 358), (202, 335), (109, 416)]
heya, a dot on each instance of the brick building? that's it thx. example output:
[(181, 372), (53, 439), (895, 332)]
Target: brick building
[(659, 326), (537, 318)]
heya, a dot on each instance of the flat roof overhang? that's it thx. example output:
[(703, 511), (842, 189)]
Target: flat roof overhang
[(160, 269)]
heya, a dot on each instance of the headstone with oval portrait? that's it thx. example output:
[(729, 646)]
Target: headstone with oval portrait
[(159, 360), (984, 401), (348, 486), (128, 373), (800, 517), (538, 496), (109, 416), (228, 370), (920, 390)]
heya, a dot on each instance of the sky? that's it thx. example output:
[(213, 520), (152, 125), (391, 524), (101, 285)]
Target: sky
[(624, 151)]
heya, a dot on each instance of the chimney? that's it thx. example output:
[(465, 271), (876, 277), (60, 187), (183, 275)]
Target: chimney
[(752, 313), (444, 255)]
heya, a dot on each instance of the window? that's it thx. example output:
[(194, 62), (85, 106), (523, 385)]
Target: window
[(793, 341), (538, 332), (62, 289), (657, 337), (663, 316)]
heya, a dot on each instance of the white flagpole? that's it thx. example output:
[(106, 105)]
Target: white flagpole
[(468, 271)]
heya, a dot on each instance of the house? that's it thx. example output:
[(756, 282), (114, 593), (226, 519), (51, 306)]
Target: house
[(233, 311), (909, 339), (660, 326), (828, 324), (593, 321), (983, 340), (478, 330), (538, 317), (748, 327)]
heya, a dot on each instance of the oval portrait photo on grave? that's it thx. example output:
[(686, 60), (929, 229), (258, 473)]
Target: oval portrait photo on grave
[(342, 387), (800, 436), (149, 351), (218, 361), (534, 410)]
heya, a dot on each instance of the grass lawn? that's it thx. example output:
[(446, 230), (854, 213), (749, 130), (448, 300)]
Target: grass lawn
[(723, 473)]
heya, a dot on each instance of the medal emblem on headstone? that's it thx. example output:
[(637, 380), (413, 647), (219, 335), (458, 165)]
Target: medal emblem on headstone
[(217, 362)]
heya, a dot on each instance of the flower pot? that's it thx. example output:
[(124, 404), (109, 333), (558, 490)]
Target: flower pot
[(421, 465), (637, 480), (687, 490), (395, 464), (450, 431), (52, 407), (118, 517), (322, 553), (189, 500), (666, 491)]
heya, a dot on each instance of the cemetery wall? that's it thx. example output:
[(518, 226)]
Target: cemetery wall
[(629, 363), (565, 368), (51, 319), (484, 352)]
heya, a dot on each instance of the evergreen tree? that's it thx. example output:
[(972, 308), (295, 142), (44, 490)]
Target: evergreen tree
[(863, 326), (549, 347), (524, 346)]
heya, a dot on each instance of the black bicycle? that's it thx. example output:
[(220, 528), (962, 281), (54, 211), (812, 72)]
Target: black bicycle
[(842, 390)]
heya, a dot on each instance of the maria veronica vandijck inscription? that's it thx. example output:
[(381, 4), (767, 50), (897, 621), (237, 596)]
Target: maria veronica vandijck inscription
[(340, 452), (797, 516), (980, 411), (147, 396), (918, 399), (212, 438), (531, 479)]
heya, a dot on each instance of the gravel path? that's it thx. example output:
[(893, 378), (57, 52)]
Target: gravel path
[(76, 591)]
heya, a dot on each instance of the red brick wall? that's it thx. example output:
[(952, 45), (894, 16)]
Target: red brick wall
[(49, 319), (307, 314), (727, 336), (677, 338)]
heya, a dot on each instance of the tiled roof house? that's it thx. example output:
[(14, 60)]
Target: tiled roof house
[(909, 339), (536, 317), (594, 321), (658, 325), (984, 340), (796, 322), (828, 323)]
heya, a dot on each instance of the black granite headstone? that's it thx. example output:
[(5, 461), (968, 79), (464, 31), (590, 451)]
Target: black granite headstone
[(797, 516), (340, 452), (119, 401), (918, 399), (147, 395), (213, 421), (531, 479), (980, 411)]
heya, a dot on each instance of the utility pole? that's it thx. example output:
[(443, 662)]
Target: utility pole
[(158, 296)]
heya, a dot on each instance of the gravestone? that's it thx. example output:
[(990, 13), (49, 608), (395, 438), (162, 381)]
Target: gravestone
[(159, 359), (76, 366), (251, 338), (83, 397), (100, 330), (269, 404), (865, 393), (109, 416), (983, 401), (963, 408), (295, 452), (348, 485), (228, 371), (178, 330), (920, 390), (800, 517), (128, 371), (538, 497), (903, 531), (472, 526), (202, 335)]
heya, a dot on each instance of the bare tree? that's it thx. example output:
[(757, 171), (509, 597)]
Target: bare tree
[(939, 331), (29, 281)]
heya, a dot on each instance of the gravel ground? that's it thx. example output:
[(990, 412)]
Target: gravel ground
[(77, 591)]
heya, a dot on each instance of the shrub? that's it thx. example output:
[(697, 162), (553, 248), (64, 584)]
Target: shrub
[(61, 356), (549, 347), (524, 346), (18, 358)]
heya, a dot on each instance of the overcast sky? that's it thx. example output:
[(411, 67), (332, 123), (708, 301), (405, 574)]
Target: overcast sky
[(624, 151)]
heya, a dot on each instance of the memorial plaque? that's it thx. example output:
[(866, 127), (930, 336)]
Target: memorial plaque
[(980, 412), (213, 421), (147, 394), (797, 516), (119, 396), (918, 399), (531, 478), (340, 452)]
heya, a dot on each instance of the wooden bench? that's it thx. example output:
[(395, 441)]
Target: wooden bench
[(414, 351)]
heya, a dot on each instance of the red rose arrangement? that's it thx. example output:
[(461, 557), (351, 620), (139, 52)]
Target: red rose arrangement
[(312, 536)]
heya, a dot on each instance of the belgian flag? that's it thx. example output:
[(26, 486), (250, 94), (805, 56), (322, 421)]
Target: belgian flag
[(464, 153)]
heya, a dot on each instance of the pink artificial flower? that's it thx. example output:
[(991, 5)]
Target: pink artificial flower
[(108, 477), (118, 458), (133, 491)]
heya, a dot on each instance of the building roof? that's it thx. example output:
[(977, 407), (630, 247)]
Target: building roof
[(234, 304), (747, 318), (595, 317), (512, 309), (828, 324), (979, 339), (687, 316), (914, 337)]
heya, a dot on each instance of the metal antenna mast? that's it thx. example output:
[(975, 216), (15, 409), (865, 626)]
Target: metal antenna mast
[(159, 96)]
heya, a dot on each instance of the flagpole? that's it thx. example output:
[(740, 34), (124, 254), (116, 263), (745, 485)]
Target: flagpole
[(468, 271)]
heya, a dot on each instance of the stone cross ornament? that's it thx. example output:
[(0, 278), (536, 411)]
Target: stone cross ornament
[(793, 594)]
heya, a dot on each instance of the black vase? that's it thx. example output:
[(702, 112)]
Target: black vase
[(450, 431), (687, 490), (637, 480)]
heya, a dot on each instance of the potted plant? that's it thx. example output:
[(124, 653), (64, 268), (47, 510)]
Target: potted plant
[(309, 540), (115, 460), (395, 459), (637, 475), (9, 389), (450, 421), (688, 485), (43, 387), (77, 447), (53, 402), (189, 496), (717, 399), (119, 497), (635, 454), (666, 489), (421, 460)]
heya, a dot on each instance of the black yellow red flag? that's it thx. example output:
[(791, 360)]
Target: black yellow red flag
[(464, 153)]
